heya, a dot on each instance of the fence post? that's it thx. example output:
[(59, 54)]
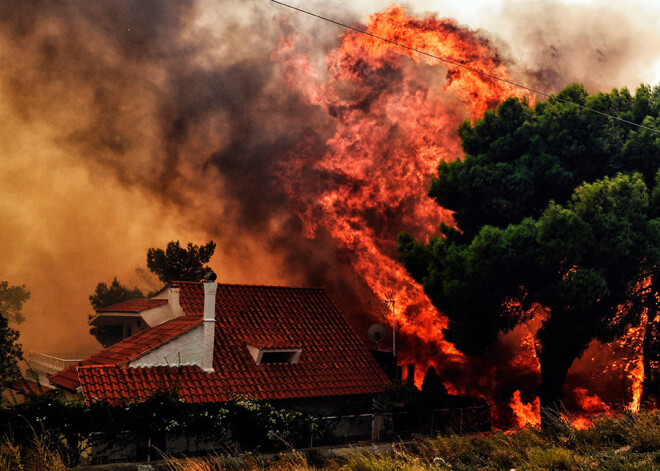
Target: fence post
[(461, 422), (375, 427), (432, 422)]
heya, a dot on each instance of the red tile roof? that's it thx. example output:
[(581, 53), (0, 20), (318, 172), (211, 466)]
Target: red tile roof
[(123, 352), (334, 361), (26, 386), (134, 305), (273, 343), (116, 384)]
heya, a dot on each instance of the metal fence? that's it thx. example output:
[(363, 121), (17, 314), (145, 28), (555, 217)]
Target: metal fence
[(323, 431), (399, 425)]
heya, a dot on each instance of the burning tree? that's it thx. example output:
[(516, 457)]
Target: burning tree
[(530, 231)]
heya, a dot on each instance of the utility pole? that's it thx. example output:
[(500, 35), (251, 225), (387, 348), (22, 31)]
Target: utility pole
[(389, 299)]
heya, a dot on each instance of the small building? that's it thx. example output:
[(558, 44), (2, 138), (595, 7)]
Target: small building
[(212, 342)]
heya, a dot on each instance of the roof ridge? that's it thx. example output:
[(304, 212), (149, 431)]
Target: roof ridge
[(316, 288), (169, 339), (139, 304), (122, 360)]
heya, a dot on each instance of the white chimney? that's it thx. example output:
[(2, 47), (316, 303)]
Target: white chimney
[(210, 289), (173, 301)]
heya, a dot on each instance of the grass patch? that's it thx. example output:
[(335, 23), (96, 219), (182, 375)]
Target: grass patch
[(630, 442), (627, 443)]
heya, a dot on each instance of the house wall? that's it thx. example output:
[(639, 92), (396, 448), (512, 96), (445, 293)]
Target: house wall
[(158, 315), (187, 349), (131, 327), (330, 405)]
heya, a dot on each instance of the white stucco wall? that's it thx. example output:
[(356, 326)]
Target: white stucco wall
[(158, 315), (187, 349)]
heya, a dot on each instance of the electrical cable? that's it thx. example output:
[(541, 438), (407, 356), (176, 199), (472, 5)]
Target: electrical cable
[(457, 64)]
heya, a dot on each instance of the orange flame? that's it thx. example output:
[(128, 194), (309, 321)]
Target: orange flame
[(390, 115), (525, 414), (591, 405), (391, 128), (636, 372)]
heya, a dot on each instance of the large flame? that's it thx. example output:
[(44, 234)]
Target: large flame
[(393, 115), (525, 414), (391, 131)]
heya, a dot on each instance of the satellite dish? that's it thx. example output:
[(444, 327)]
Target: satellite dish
[(376, 333)]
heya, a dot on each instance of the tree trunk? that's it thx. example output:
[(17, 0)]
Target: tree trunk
[(554, 369), (562, 342), (651, 353)]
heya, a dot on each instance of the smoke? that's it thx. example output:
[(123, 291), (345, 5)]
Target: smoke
[(603, 45), (126, 124)]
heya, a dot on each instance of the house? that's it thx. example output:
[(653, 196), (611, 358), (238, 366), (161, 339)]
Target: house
[(17, 391), (214, 341)]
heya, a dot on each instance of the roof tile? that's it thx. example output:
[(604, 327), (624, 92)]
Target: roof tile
[(134, 305), (334, 361)]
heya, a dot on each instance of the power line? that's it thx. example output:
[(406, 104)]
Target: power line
[(457, 64)]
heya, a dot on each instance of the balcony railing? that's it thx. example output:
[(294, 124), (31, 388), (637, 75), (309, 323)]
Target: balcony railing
[(53, 362)]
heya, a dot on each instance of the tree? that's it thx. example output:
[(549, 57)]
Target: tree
[(12, 299), (104, 296), (529, 233), (432, 388), (176, 263)]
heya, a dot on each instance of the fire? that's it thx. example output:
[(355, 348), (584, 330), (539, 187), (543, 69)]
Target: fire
[(395, 115), (389, 116), (591, 405), (525, 414), (637, 377)]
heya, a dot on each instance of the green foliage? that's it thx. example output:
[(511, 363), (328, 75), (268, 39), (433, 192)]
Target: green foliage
[(104, 296), (517, 159), (552, 207), (46, 433), (10, 354), (12, 299), (177, 263), (69, 429)]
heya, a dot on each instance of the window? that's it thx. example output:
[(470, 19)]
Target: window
[(267, 356)]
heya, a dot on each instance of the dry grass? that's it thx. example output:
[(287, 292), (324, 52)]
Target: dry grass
[(37, 457), (612, 444)]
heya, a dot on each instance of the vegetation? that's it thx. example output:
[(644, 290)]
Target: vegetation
[(175, 263), (556, 212), (104, 296), (626, 443), (46, 433), (71, 429), (12, 299)]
